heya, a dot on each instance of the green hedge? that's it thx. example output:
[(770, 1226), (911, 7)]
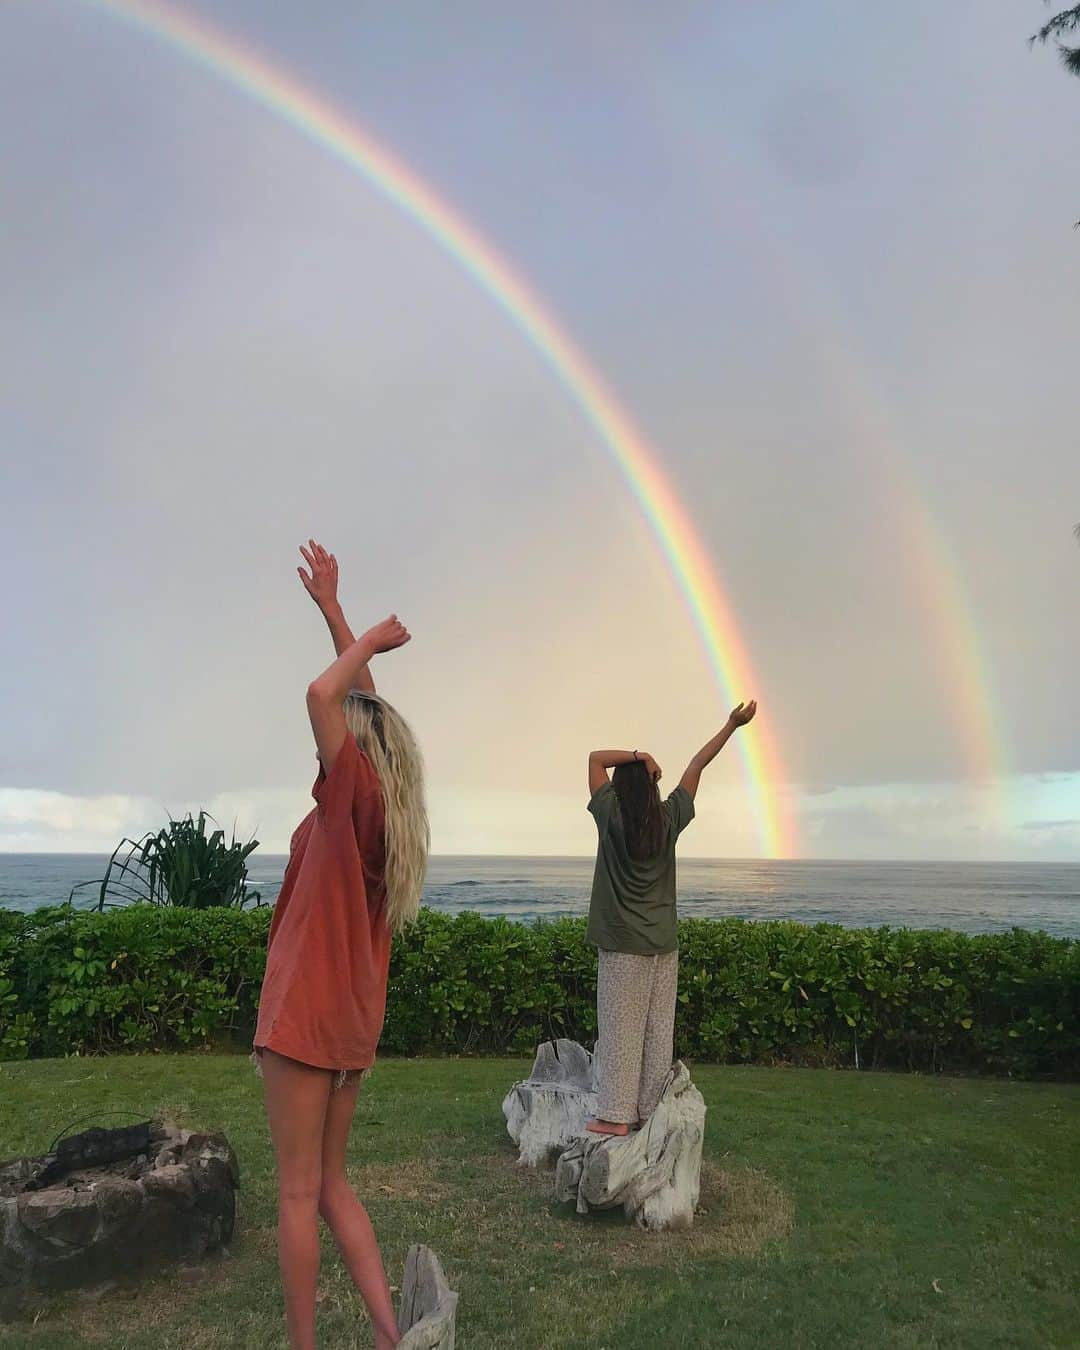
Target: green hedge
[(144, 978)]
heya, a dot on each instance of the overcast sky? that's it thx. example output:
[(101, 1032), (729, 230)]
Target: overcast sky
[(823, 254)]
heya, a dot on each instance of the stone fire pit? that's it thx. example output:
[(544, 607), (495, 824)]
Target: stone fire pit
[(108, 1203)]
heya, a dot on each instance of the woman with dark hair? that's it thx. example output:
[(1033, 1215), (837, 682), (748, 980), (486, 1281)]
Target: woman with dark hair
[(632, 923)]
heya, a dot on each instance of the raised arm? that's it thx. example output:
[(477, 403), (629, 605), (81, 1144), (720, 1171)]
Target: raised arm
[(708, 752), (602, 760), (326, 694), (322, 586)]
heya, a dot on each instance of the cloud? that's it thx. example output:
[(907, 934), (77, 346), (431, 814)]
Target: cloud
[(895, 821), (33, 821)]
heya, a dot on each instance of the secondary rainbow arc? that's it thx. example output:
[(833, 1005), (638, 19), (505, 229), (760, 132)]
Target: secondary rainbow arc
[(639, 464)]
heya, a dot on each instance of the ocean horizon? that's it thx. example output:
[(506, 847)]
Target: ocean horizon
[(970, 897)]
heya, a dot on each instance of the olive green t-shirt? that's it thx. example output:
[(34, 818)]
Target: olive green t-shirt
[(633, 903)]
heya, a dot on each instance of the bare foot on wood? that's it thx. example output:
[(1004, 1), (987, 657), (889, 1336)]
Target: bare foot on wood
[(617, 1127)]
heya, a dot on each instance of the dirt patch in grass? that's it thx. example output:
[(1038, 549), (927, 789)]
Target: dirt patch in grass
[(741, 1211), (412, 1179)]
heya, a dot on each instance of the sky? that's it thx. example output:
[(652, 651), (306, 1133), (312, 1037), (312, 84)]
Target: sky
[(823, 257)]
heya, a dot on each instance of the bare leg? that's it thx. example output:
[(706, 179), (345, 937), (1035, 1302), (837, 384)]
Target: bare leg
[(296, 1096), (349, 1221)]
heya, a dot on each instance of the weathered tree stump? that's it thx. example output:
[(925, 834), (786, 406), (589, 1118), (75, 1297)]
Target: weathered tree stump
[(654, 1173), (428, 1305), (548, 1110)]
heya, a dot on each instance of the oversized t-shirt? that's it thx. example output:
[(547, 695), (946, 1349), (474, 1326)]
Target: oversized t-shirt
[(324, 994), (633, 903)]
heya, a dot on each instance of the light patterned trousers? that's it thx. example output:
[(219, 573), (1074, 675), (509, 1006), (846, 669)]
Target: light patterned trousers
[(635, 1009)]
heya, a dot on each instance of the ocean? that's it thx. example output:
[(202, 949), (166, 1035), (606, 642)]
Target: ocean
[(972, 897)]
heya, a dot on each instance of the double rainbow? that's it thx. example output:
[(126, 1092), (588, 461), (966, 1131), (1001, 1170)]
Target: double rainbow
[(638, 462)]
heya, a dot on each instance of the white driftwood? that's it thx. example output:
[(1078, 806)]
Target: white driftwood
[(654, 1173), (547, 1111), (428, 1305)]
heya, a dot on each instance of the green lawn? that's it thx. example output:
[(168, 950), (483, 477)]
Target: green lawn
[(841, 1209)]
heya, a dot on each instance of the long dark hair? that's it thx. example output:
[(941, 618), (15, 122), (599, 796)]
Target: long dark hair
[(639, 807)]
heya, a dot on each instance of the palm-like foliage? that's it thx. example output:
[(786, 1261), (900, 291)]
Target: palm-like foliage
[(181, 865), (1067, 21)]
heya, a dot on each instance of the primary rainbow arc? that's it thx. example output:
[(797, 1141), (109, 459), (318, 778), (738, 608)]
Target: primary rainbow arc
[(639, 464)]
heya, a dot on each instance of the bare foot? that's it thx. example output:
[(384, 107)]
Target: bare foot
[(617, 1127)]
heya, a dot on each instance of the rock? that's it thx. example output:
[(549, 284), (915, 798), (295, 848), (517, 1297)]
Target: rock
[(173, 1183), (62, 1226), (547, 1111), (117, 1198), (15, 1174), (12, 1248), (653, 1173), (60, 1216), (206, 1146), (215, 1196), (193, 1142), (428, 1307)]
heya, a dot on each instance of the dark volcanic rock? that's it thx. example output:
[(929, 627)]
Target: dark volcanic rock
[(175, 1182), (60, 1216), (113, 1206)]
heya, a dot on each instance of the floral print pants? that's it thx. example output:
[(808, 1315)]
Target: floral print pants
[(635, 1008)]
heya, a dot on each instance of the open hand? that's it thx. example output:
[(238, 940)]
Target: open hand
[(743, 713), (387, 635), (321, 585)]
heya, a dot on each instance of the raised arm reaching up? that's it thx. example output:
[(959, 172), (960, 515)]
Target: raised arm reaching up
[(602, 760), (322, 586), (708, 752), (326, 694)]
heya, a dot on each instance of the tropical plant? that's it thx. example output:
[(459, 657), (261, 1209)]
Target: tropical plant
[(181, 865), (1066, 21)]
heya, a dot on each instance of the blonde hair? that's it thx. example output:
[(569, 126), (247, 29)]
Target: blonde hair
[(386, 738)]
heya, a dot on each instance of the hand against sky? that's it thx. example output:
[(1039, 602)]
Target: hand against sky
[(389, 634), (743, 713), (321, 585)]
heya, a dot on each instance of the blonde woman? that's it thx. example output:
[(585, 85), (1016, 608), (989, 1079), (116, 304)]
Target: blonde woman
[(355, 872)]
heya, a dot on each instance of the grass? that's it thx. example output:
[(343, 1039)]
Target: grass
[(840, 1209)]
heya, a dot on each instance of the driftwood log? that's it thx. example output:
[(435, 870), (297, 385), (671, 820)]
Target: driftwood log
[(428, 1305), (653, 1173), (547, 1111)]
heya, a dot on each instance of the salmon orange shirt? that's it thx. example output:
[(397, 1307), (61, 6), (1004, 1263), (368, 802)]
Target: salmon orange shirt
[(324, 993)]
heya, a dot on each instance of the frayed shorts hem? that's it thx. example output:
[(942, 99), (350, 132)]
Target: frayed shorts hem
[(341, 1077)]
